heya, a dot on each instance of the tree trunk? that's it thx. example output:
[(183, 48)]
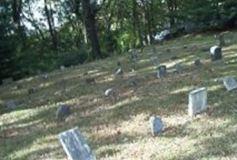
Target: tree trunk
[(90, 24), (52, 32)]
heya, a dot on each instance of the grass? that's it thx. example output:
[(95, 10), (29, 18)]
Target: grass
[(120, 130)]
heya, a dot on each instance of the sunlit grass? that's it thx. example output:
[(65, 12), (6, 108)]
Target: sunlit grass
[(120, 129)]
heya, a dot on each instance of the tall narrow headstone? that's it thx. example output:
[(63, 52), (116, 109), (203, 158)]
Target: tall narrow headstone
[(156, 125), (161, 71), (230, 83), (75, 146), (197, 101), (216, 53)]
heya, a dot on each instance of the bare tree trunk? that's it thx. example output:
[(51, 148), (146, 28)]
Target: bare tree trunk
[(52, 31), (90, 24)]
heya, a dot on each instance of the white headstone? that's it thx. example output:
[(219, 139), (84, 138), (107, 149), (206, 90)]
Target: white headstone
[(216, 53), (109, 92), (75, 145), (230, 83), (197, 101)]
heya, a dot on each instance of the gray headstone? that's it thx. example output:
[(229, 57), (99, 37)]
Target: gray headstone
[(161, 71), (62, 68), (32, 90), (178, 68), (156, 125), (230, 83), (75, 146), (197, 62), (11, 104), (109, 92), (7, 81), (119, 71), (154, 60), (197, 101), (62, 112), (216, 53)]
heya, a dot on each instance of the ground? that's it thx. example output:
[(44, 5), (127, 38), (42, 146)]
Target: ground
[(119, 129)]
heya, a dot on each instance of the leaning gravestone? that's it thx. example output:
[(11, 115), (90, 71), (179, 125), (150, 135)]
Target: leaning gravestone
[(161, 71), (62, 112), (156, 125), (75, 146), (216, 53), (197, 101), (230, 83)]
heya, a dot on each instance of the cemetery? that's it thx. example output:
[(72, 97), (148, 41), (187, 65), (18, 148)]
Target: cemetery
[(118, 80), (150, 113)]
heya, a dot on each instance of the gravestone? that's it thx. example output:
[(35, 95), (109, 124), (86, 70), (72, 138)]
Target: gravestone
[(197, 101), (216, 53), (154, 60), (230, 83), (118, 71), (62, 68), (11, 104), (197, 62), (156, 125), (75, 146), (178, 68), (62, 112), (31, 90), (7, 81), (161, 71), (220, 39)]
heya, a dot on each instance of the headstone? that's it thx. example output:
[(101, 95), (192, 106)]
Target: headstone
[(221, 40), (119, 71), (197, 101), (62, 68), (31, 90), (161, 71), (178, 68), (90, 80), (197, 62), (7, 81), (216, 53), (45, 76), (163, 35), (154, 60), (11, 104), (230, 83), (156, 125), (75, 146), (62, 112), (109, 92)]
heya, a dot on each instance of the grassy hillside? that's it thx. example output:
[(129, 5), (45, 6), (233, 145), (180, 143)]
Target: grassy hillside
[(120, 129)]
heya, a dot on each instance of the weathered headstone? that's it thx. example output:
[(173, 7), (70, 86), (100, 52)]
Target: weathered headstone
[(197, 62), (75, 146), (154, 60), (161, 71), (32, 90), (7, 81), (11, 104), (156, 125), (118, 71), (112, 94), (62, 68), (178, 68), (197, 101), (163, 35), (230, 83), (216, 53), (62, 112)]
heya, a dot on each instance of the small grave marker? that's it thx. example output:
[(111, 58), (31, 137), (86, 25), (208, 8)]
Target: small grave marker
[(75, 146), (230, 83), (161, 71), (62, 112), (7, 81), (178, 68), (216, 53), (197, 101), (156, 125)]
